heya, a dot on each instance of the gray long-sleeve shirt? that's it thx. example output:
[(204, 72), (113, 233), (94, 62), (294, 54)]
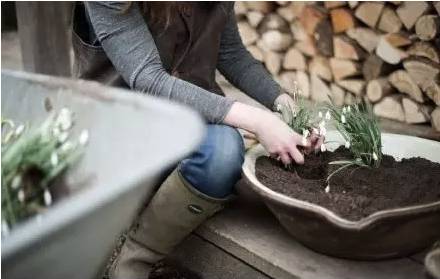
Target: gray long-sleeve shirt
[(130, 46)]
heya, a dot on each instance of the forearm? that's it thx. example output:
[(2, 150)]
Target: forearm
[(128, 43)]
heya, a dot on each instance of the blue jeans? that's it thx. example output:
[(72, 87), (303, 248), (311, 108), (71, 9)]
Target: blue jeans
[(215, 167)]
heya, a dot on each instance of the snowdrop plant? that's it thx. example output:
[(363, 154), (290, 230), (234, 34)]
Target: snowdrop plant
[(31, 160), (359, 127)]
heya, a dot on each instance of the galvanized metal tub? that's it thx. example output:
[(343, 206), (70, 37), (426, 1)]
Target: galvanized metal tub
[(133, 140), (384, 234)]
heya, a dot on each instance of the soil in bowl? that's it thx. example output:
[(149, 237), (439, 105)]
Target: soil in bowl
[(355, 192)]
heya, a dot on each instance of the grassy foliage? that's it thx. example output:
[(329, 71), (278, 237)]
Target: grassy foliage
[(359, 127), (298, 118), (31, 160)]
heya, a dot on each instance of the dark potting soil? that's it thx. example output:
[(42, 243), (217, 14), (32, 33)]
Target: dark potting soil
[(354, 192)]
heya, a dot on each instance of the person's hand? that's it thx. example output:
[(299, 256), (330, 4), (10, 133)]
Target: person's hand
[(279, 139)]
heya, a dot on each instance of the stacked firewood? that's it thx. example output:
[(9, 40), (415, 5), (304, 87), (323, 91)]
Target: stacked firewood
[(386, 53)]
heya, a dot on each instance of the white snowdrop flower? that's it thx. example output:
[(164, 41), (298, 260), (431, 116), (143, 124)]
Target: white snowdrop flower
[(278, 108), (347, 144), (66, 146), (5, 228), (64, 119), (343, 121), (327, 115), (62, 137), (327, 188), (47, 198), (322, 131), (323, 148), (344, 110), (305, 133), (56, 132), (20, 195), (375, 156), (320, 114), (84, 137), (16, 182), (348, 109), (321, 124), (54, 159), (19, 130)]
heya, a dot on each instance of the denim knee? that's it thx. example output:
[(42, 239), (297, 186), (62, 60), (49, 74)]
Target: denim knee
[(216, 166)]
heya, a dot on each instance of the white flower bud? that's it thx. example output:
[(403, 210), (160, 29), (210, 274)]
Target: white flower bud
[(64, 119), (320, 114), (62, 137), (327, 115), (54, 159), (47, 198), (348, 109), (343, 119), (344, 110), (347, 144), (84, 137), (19, 130), (327, 188), (66, 146), (375, 156), (16, 182), (323, 148), (322, 131), (20, 195)]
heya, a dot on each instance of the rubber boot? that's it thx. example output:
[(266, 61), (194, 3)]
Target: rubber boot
[(174, 212)]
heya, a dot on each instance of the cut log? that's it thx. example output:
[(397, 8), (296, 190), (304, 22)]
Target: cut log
[(369, 12), (310, 17), (337, 95), (398, 39), (291, 11), (403, 82), (389, 21), (355, 86), (294, 60), (247, 33), (273, 22), (319, 66), (240, 8), (342, 68), (254, 18), (298, 31), (353, 4), (334, 4), (323, 38), (390, 107), (365, 37), (374, 67), (437, 6), (377, 89), (433, 92), (342, 19), (347, 48), (428, 27), (410, 11), (415, 113), (256, 52), (435, 119), (272, 60), (422, 71), (424, 49), (276, 40), (287, 81), (388, 52), (303, 83), (307, 47), (262, 6), (320, 91)]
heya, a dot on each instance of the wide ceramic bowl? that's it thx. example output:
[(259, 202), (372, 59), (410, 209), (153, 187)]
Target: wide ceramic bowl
[(383, 234)]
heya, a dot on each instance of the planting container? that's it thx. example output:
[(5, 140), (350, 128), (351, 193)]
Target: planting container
[(133, 140), (384, 234)]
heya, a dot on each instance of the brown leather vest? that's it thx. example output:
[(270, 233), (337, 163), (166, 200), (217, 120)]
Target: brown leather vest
[(188, 47)]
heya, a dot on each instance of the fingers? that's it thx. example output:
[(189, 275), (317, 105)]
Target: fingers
[(298, 140), (285, 158), (296, 155)]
